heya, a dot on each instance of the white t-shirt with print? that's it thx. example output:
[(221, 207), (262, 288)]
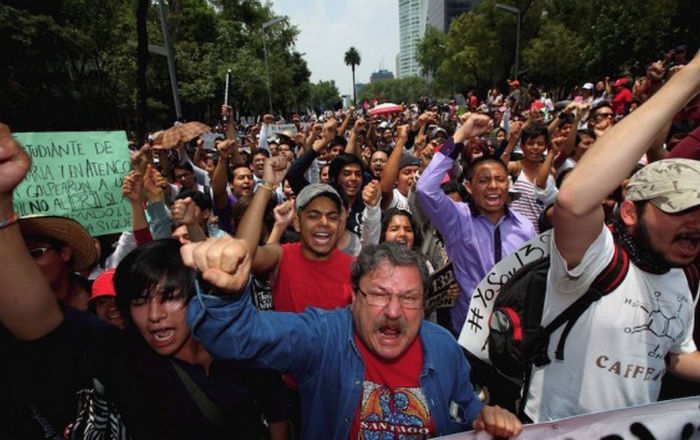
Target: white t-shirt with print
[(399, 201), (614, 355)]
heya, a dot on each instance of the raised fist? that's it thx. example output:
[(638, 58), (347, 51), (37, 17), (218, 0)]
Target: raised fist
[(223, 262), (371, 193), (14, 165)]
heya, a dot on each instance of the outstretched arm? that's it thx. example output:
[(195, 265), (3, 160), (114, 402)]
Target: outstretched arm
[(391, 170), (346, 122), (352, 147), (263, 258), (185, 211), (685, 365), (132, 188), (284, 215), (513, 138), (568, 146), (372, 214), (28, 307), (444, 214), (578, 215)]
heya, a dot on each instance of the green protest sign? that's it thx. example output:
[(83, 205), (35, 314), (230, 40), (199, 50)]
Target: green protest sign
[(77, 175)]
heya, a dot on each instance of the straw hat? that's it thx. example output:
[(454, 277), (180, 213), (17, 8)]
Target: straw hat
[(66, 231)]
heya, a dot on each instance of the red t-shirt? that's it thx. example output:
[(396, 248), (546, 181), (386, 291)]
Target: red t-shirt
[(620, 101), (392, 399), (302, 283), (536, 105)]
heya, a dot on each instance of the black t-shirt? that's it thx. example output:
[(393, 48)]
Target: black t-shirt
[(40, 380), (354, 223)]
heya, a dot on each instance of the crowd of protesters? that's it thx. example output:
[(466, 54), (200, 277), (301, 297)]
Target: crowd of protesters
[(255, 295)]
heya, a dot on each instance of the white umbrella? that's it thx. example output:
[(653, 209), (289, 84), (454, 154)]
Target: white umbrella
[(386, 108)]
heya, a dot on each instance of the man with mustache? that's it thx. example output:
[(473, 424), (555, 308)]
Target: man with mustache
[(369, 370), (615, 354)]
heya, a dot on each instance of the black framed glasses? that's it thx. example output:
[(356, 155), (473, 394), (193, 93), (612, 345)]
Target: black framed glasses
[(407, 301)]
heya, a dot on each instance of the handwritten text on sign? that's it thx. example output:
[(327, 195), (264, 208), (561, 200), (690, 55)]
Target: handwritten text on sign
[(77, 175), (476, 329)]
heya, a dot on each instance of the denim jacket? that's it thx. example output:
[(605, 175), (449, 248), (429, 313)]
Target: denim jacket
[(317, 347)]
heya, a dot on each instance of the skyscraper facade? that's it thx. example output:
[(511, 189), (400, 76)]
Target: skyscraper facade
[(414, 17), (411, 30)]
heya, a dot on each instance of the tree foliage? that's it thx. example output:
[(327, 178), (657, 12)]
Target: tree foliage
[(562, 42), (399, 90), (352, 58), (430, 51), (471, 47), (555, 55), (324, 95), (72, 64)]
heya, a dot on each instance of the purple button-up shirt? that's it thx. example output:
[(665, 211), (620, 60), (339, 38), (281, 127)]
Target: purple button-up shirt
[(468, 235)]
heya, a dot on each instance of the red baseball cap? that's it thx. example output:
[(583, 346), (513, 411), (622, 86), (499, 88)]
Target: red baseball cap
[(103, 285), (620, 82)]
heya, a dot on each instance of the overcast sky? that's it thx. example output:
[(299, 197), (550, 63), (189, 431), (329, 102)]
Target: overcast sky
[(328, 28)]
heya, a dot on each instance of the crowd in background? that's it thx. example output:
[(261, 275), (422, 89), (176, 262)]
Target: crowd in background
[(460, 183)]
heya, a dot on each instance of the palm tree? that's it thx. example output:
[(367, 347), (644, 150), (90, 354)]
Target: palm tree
[(352, 59)]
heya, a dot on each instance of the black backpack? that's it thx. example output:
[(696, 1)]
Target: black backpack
[(517, 340)]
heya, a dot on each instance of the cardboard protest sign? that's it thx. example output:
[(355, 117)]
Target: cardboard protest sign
[(209, 140), (276, 128), (671, 419), (77, 175), (440, 282), (476, 330)]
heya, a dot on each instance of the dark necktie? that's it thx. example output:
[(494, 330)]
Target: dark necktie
[(497, 244)]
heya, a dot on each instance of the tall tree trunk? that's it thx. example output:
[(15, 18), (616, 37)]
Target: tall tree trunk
[(354, 97), (142, 64)]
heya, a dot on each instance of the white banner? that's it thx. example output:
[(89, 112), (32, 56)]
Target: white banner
[(669, 420), (276, 128), (476, 328)]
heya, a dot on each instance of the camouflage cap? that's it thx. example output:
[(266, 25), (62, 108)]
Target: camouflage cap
[(673, 185)]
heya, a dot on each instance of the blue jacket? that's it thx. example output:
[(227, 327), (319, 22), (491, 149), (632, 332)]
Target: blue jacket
[(318, 348)]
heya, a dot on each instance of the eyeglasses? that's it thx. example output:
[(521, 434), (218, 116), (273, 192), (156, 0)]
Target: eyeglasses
[(38, 252), (604, 115), (409, 301)]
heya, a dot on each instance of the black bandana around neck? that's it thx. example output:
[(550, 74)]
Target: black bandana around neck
[(640, 256)]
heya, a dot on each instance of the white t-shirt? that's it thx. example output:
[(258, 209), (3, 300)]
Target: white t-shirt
[(614, 355), (399, 201)]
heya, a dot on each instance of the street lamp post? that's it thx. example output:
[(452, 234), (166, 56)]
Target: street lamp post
[(515, 11), (266, 25), (171, 62)]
